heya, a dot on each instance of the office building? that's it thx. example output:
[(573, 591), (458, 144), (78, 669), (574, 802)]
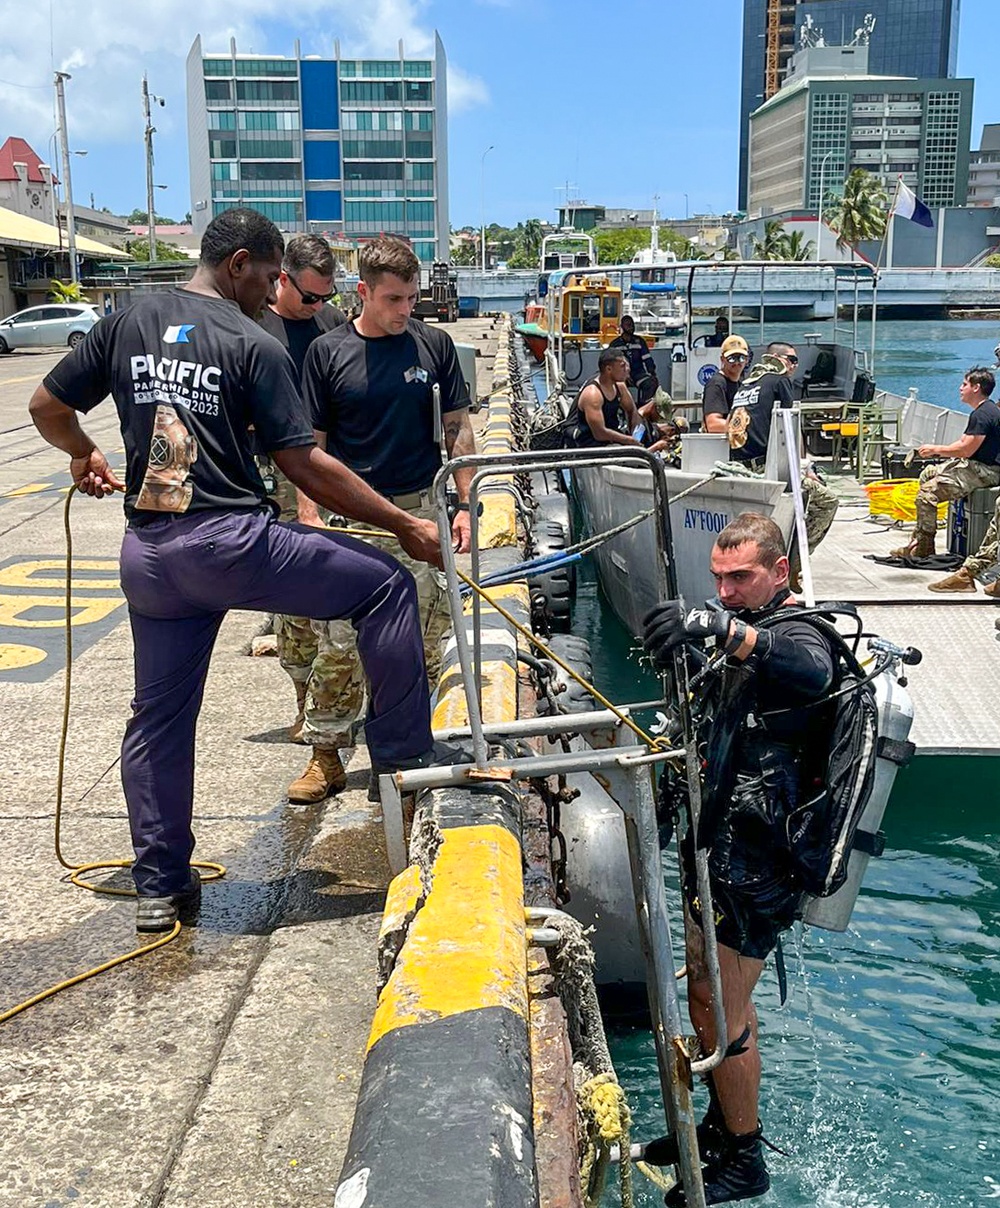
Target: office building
[(984, 169), (831, 116), (346, 147), (909, 38)]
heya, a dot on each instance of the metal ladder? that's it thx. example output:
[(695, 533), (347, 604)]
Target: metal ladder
[(626, 769)]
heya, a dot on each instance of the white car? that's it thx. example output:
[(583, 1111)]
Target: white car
[(53, 325)]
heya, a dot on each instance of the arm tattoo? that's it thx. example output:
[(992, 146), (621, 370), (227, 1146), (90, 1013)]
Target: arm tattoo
[(458, 436)]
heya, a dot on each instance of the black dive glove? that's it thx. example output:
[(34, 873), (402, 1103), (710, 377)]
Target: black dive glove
[(668, 625)]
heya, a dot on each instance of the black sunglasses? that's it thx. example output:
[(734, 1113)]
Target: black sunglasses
[(732, 357), (792, 360), (309, 298)]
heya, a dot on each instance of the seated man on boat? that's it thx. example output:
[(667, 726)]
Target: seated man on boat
[(762, 739), (973, 461), (718, 337), (748, 426), (641, 366), (606, 411)]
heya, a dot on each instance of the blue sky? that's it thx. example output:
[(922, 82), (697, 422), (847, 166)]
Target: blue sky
[(620, 101)]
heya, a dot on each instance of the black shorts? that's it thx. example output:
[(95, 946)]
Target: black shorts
[(746, 927)]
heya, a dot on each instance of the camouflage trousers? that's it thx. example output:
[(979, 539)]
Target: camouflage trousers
[(988, 553), (322, 654), (952, 479), (821, 506)]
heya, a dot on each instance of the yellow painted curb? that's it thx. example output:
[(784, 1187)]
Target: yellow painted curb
[(465, 949)]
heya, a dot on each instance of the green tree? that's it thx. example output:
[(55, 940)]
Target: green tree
[(798, 248), (66, 291), (774, 245), (618, 246), (139, 249), (141, 218), (465, 254), (861, 212)]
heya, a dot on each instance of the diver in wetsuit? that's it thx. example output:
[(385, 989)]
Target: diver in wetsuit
[(763, 749)]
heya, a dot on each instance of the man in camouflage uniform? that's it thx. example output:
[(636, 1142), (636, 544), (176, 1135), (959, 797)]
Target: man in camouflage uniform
[(972, 462), (370, 388)]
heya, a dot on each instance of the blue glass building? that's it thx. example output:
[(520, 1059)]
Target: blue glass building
[(343, 147), (916, 38)]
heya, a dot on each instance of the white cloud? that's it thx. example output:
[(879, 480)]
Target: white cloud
[(106, 49)]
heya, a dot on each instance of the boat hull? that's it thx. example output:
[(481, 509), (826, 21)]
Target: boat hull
[(627, 564)]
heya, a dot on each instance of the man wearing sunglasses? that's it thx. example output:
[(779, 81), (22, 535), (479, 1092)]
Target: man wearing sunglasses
[(749, 426), (301, 309), (717, 401)]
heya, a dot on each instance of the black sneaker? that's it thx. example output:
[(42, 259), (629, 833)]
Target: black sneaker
[(440, 755), (738, 1173), (160, 914)]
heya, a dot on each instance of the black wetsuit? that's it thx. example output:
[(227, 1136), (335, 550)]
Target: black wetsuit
[(764, 741)]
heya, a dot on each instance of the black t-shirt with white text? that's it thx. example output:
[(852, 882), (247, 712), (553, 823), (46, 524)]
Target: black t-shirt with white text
[(718, 396), (985, 422), (373, 397), (297, 334), (750, 415), (189, 373)]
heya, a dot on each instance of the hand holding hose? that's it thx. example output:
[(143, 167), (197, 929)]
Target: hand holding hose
[(93, 476)]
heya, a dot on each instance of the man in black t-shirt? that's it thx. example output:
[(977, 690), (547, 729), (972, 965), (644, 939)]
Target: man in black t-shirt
[(717, 400), (972, 461), (189, 370), (378, 389), (641, 366)]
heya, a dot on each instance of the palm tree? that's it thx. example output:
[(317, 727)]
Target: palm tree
[(66, 291), (774, 245), (796, 247), (531, 238), (861, 212)]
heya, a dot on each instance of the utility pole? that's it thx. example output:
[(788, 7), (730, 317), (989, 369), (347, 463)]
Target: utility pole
[(150, 131), (74, 271)]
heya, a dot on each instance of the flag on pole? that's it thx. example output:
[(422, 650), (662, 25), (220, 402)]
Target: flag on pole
[(909, 205)]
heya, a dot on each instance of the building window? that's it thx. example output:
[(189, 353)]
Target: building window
[(419, 68), (218, 90), (269, 148), (419, 119), (267, 90), (364, 148), (266, 67), (419, 147), (222, 148), (217, 67), (221, 119)]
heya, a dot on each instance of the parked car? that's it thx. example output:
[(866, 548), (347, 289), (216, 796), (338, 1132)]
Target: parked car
[(56, 324)]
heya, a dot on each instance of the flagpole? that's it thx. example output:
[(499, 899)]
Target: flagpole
[(885, 229)]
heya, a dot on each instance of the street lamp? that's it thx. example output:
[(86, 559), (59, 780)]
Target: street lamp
[(819, 207), (482, 205), (686, 205)]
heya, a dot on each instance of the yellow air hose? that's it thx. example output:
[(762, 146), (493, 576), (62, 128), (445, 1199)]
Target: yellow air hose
[(214, 871)]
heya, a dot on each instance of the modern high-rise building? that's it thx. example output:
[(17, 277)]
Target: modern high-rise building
[(984, 169), (831, 115), (348, 147), (917, 38)]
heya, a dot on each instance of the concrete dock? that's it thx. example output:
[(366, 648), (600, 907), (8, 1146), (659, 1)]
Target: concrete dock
[(223, 1069)]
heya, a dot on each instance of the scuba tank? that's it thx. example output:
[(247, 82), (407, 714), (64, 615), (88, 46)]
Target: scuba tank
[(895, 716)]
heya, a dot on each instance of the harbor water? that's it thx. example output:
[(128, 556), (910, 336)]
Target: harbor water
[(881, 1072)]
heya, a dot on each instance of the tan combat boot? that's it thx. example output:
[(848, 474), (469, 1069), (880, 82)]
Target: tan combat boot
[(921, 546), (324, 775), (993, 589), (961, 580), (295, 729)]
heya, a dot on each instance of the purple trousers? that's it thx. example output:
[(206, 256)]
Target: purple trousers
[(181, 574)]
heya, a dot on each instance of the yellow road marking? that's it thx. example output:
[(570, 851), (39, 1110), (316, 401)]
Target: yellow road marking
[(31, 574), (85, 611), (465, 949), (13, 657), (31, 488)]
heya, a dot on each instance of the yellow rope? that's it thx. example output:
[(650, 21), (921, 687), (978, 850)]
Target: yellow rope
[(214, 871), (604, 1107), (654, 744)]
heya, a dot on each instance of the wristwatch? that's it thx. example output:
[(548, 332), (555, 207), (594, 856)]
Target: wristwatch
[(464, 507)]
